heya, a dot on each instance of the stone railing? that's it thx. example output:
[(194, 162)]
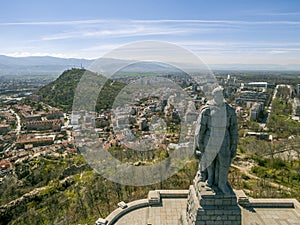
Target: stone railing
[(154, 198)]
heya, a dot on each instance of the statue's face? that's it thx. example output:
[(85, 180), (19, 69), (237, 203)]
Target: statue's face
[(218, 97)]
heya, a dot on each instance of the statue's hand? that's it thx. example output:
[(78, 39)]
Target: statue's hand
[(233, 148), (233, 153), (197, 154)]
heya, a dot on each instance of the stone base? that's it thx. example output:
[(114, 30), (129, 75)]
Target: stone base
[(209, 206)]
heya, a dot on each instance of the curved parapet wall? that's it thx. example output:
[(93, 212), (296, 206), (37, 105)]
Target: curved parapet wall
[(119, 212), (154, 198), (252, 209)]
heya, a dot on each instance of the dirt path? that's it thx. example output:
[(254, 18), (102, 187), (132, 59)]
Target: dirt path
[(19, 203), (245, 171)]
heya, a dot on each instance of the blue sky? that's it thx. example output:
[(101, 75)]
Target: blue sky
[(220, 32)]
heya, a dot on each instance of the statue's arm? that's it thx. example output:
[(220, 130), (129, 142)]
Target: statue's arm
[(234, 135), (200, 134)]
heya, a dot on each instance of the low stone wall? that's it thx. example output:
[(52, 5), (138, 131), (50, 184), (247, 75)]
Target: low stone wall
[(154, 198), (119, 212)]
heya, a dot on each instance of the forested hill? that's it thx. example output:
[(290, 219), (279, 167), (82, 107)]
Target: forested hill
[(60, 93)]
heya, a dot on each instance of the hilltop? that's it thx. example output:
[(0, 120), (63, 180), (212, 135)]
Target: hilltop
[(60, 93)]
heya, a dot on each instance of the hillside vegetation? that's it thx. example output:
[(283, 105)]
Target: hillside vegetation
[(53, 190), (60, 93)]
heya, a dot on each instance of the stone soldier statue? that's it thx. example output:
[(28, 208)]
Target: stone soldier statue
[(216, 139)]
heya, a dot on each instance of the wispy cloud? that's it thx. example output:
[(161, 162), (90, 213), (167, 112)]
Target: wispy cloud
[(78, 29), (275, 52), (220, 22), (219, 49), (243, 44), (27, 54), (52, 23), (133, 29), (133, 32), (279, 14)]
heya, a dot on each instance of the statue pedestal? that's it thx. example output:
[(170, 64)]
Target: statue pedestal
[(209, 206)]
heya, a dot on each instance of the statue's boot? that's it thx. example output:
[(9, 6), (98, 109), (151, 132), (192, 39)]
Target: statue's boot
[(223, 180), (211, 177), (203, 176), (224, 188)]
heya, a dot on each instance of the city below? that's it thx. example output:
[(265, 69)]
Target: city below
[(41, 137)]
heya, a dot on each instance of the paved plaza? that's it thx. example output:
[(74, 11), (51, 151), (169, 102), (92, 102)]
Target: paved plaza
[(271, 216), (172, 206), (167, 213)]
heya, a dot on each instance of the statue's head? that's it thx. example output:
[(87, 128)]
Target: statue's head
[(218, 97)]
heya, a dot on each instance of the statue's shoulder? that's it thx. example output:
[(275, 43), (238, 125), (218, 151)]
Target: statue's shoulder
[(205, 110), (230, 109)]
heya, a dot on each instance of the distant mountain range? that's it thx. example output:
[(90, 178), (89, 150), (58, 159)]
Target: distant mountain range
[(38, 65), (46, 65)]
